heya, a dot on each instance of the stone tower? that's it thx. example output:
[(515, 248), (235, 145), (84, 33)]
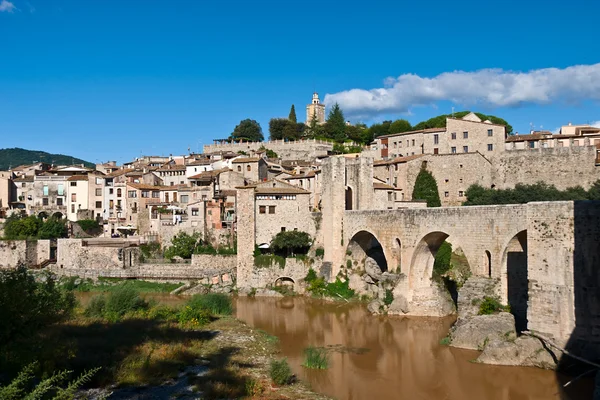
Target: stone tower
[(315, 109)]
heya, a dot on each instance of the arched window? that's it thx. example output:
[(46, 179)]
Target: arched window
[(248, 168), (118, 192), (239, 168)]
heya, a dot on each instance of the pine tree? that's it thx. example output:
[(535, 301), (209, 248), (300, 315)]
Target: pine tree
[(335, 126), (426, 188), (292, 116)]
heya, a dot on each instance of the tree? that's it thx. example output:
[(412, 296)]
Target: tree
[(380, 129), (277, 128), (399, 126), (291, 242), (314, 130), (19, 227), (249, 130), (183, 245), (292, 116), (426, 188), (54, 228), (335, 126)]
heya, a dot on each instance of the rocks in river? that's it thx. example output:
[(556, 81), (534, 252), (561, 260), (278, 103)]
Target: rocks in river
[(524, 351), (399, 306), (372, 269), (375, 307), (472, 293), (476, 332)]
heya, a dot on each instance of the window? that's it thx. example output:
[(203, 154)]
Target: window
[(132, 193), (576, 143), (446, 194), (111, 204), (390, 198), (73, 197), (262, 209), (453, 150), (155, 194), (395, 181), (461, 193), (119, 192), (145, 193), (453, 135), (73, 183), (239, 168), (195, 212), (490, 147), (23, 184), (271, 209), (98, 181), (531, 145), (61, 189), (465, 135), (413, 142), (98, 204), (248, 168), (283, 229), (73, 208), (98, 191), (460, 180), (406, 142), (490, 132), (111, 191), (45, 190), (184, 198), (436, 151), (436, 139), (59, 201), (465, 149), (395, 144), (45, 201)]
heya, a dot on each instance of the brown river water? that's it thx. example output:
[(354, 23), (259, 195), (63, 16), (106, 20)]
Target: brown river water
[(378, 357)]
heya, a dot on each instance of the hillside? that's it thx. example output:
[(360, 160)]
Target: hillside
[(10, 158)]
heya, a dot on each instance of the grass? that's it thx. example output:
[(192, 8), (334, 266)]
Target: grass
[(215, 303), (110, 284), (280, 372), (315, 358), (445, 341), (336, 290), (268, 261), (492, 305)]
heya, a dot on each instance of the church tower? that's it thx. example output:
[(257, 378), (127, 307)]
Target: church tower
[(315, 110)]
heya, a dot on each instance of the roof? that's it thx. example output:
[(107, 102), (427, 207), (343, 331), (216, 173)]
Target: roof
[(428, 130), (383, 186), (398, 160), (118, 172), (78, 178), (275, 190), (309, 174), (200, 162), (24, 178), (208, 175), (171, 167), (245, 160), (521, 138)]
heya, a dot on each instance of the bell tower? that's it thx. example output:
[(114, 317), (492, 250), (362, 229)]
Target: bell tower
[(315, 110)]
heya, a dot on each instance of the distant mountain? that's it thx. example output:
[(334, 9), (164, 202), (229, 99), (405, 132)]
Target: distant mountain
[(11, 158)]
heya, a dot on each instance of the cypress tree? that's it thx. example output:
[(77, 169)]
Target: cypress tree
[(426, 188), (292, 116)]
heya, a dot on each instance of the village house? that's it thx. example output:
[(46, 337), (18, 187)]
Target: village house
[(7, 191), (253, 169), (310, 181), (568, 136), (461, 135)]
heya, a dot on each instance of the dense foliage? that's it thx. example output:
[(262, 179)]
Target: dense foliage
[(440, 121), (442, 259), (11, 158), (318, 287), (248, 130), (492, 305), (426, 188), (478, 195), (88, 225), (280, 372), (28, 306), (291, 242), (183, 245), (18, 227), (286, 129)]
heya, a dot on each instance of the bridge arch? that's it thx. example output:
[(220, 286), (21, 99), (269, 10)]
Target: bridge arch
[(284, 281), (515, 280), (421, 268), (365, 244)]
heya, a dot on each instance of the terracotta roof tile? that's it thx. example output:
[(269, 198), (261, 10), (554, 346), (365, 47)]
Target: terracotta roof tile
[(245, 160)]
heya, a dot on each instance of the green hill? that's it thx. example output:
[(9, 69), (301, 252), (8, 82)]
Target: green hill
[(11, 158)]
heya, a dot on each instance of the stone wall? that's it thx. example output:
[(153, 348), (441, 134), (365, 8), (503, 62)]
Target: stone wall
[(299, 150), (288, 214), (562, 167), (22, 252), (294, 270), (214, 262), (76, 253)]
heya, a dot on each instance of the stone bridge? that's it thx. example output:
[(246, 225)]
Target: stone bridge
[(546, 255)]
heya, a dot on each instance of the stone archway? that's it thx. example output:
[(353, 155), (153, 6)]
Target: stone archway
[(365, 248), (488, 263), (285, 281), (514, 262), (349, 198), (421, 269)]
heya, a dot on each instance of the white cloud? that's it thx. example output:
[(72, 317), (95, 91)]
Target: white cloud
[(6, 6), (596, 124), (489, 87)]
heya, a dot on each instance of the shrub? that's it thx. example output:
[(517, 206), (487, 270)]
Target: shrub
[(163, 313), (315, 358), (183, 245), (389, 297), (441, 265), (150, 250), (339, 289), (268, 260), (193, 316), (123, 300), (491, 305), (88, 225), (28, 306), (280, 372), (96, 307), (320, 252), (215, 303)]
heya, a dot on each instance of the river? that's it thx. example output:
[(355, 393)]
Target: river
[(379, 357), (387, 357)]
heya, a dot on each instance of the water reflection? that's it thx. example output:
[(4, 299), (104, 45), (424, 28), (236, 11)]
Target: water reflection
[(404, 359)]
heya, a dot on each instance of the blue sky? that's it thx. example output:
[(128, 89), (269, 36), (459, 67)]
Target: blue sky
[(111, 79)]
